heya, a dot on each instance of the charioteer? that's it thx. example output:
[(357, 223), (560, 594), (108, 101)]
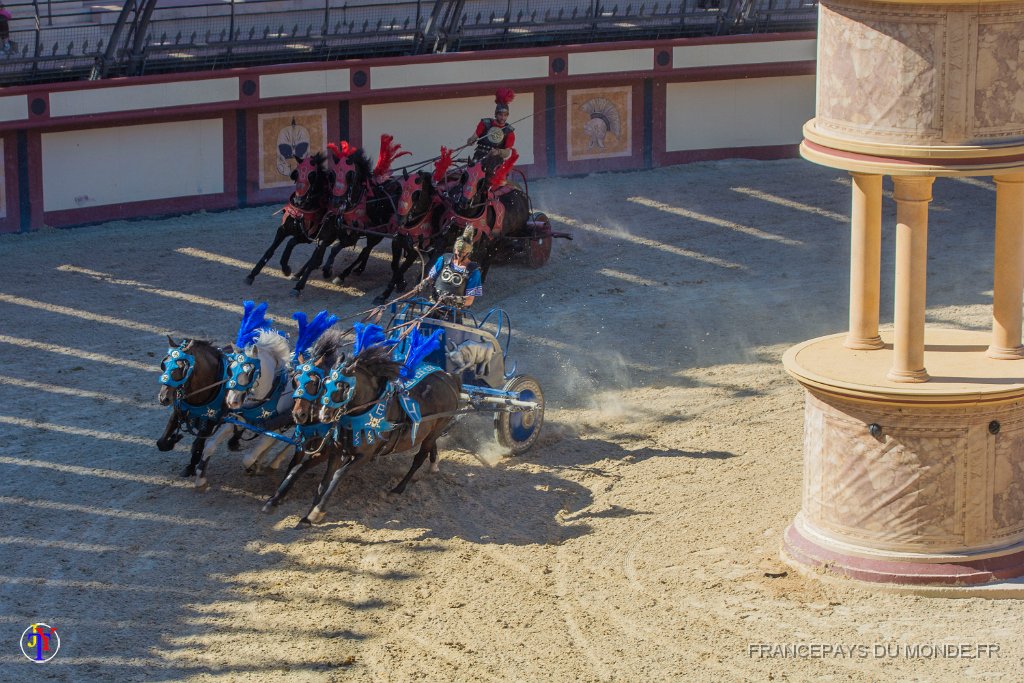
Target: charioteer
[(495, 136), (455, 279)]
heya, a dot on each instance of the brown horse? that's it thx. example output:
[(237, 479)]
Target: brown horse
[(363, 402)]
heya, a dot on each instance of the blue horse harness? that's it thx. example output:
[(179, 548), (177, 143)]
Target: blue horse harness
[(244, 371), (372, 424), (184, 364), (195, 416), (259, 413), (309, 382)]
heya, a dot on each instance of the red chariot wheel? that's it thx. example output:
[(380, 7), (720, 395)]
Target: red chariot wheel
[(538, 249)]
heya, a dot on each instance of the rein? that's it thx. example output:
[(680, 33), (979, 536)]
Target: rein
[(208, 386)]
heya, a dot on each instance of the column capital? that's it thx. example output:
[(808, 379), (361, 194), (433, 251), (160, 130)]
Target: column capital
[(912, 188)]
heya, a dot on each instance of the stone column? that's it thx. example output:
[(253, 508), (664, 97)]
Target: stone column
[(912, 195), (865, 261), (1008, 283)]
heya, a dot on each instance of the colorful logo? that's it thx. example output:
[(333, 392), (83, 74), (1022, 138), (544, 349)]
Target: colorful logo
[(40, 643)]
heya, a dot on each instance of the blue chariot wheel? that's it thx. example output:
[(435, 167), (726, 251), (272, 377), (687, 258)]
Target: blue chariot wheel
[(518, 430)]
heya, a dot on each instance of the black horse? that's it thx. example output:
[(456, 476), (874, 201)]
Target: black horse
[(346, 212), (364, 387), (308, 385), (371, 208), (418, 219), (303, 213), (493, 207)]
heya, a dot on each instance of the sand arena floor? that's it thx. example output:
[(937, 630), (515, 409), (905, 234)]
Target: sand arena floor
[(635, 542)]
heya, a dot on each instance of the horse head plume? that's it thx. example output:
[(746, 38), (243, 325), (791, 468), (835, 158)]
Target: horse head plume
[(444, 162), (502, 172), (310, 331), (389, 151), (420, 346), (368, 335), (343, 150), (254, 321)]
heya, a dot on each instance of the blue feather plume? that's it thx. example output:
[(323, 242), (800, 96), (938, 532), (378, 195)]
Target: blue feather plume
[(367, 335), (309, 332), (420, 347), (254, 321)]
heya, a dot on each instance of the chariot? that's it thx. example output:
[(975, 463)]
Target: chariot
[(477, 351)]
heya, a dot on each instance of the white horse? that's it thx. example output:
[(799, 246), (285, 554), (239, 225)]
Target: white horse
[(257, 390)]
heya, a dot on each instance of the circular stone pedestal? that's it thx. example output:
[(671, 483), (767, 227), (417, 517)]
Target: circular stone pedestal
[(912, 484)]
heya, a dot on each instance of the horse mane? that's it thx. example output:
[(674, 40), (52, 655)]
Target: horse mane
[(362, 163), (207, 346), (377, 361), (273, 343), (328, 345)]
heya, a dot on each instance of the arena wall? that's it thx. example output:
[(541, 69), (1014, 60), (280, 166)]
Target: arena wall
[(81, 152)]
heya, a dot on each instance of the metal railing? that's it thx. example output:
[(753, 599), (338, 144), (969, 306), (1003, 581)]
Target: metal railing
[(57, 40)]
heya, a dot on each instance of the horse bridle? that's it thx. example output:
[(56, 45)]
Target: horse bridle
[(184, 364), (336, 397), (244, 372), (309, 382)]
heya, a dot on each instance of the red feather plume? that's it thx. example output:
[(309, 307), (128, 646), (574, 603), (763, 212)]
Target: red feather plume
[(504, 96), (388, 153), (499, 175), (344, 151), (442, 165)]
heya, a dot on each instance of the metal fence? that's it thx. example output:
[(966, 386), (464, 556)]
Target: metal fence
[(59, 40)]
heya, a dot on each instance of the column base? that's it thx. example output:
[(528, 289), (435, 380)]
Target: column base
[(907, 375), (1005, 352), (998, 576), (863, 343)]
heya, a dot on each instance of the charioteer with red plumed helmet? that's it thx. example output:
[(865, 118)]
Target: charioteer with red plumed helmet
[(495, 136)]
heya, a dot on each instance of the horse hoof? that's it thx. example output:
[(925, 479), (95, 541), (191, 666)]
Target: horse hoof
[(189, 471), (286, 271), (379, 300), (202, 485), (164, 446), (338, 280), (359, 271), (401, 285), (327, 273), (295, 293), (304, 523), (249, 279), (268, 507), (397, 490)]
